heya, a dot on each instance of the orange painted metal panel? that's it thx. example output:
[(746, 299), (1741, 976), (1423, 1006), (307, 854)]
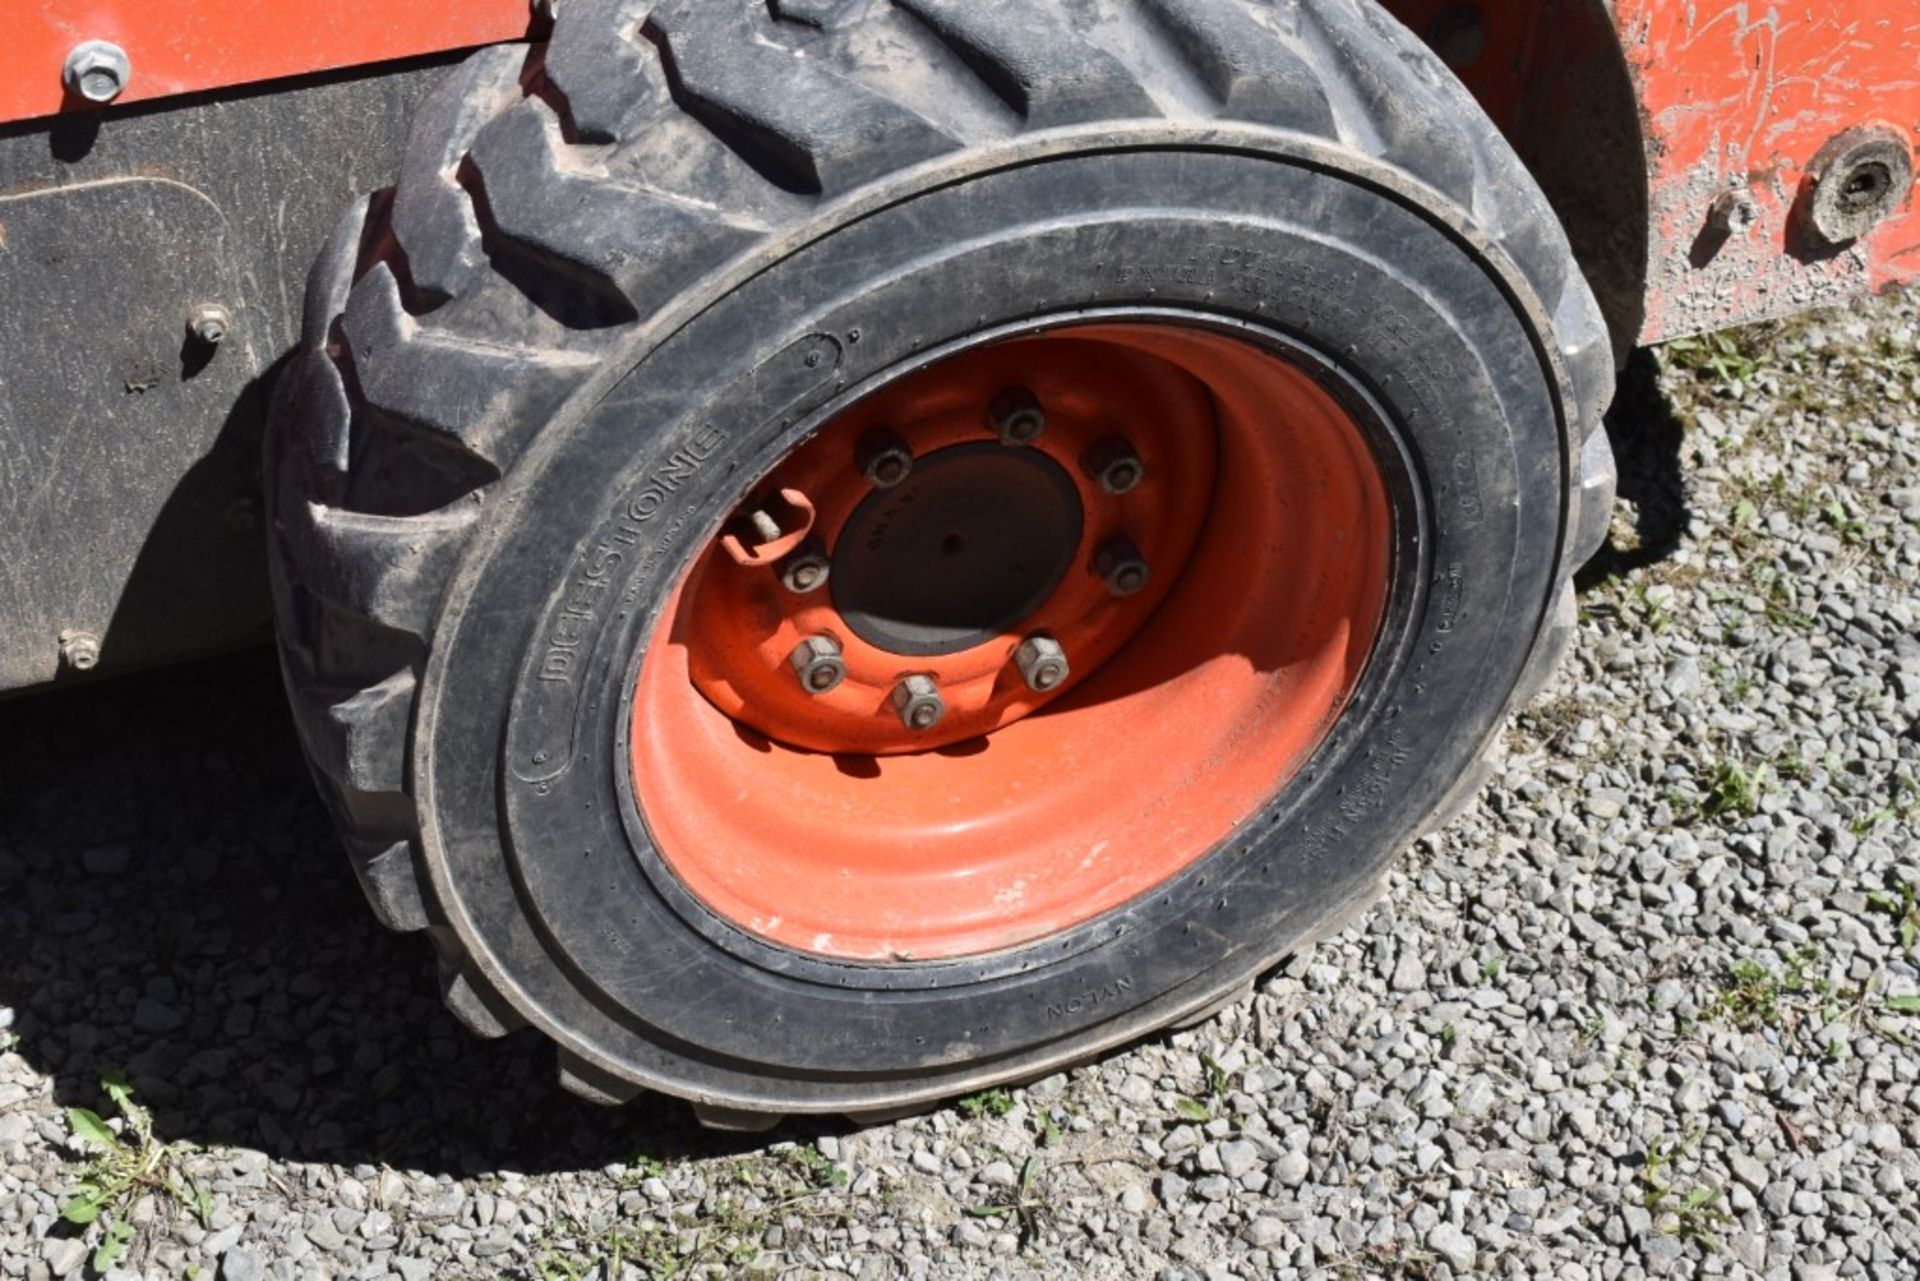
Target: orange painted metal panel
[(1740, 94), (184, 46)]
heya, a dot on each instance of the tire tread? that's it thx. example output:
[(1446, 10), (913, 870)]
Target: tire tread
[(531, 180)]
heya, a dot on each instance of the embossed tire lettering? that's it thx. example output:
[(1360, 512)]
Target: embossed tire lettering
[(821, 586)]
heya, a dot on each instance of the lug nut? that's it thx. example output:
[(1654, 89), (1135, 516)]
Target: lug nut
[(1043, 663), (1017, 417), (97, 70), (1120, 563), (210, 323), (1114, 466), (885, 459), (807, 570), (817, 662), (917, 700), (79, 651)]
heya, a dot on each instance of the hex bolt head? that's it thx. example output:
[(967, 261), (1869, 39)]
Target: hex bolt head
[(1123, 568), (1042, 663), (917, 700), (1734, 213), (210, 323), (1017, 417), (817, 662), (885, 459), (97, 70), (1114, 466), (807, 570), (79, 651)]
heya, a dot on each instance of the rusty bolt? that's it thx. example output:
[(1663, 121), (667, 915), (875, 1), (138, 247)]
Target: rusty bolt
[(1042, 663), (1114, 466), (97, 70), (817, 662), (917, 700), (1734, 213), (885, 459), (1017, 417), (79, 651), (1122, 566), (210, 323), (807, 570)]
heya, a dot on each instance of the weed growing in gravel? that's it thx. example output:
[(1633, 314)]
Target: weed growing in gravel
[(1732, 790), (1755, 997), (121, 1170), (749, 1196), (1025, 1206), (1731, 358), (1904, 807), (1693, 1215), (1399, 1261), (987, 1103), (1897, 901)]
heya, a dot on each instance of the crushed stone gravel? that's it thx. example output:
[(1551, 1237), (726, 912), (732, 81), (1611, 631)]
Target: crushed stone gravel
[(1651, 1008)]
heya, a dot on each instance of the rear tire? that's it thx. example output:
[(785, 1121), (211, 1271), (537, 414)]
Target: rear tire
[(625, 274)]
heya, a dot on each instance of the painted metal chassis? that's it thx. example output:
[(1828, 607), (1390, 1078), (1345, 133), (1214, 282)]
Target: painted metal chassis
[(126, 475), (1724, 95)]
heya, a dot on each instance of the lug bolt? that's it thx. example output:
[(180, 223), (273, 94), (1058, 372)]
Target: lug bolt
[(210, 323), (885, 459), (917, 700), (80, 651), (807, 570), (1043, 663), (1120, 563), (1114, 466), (817, 662), (1017, 417)]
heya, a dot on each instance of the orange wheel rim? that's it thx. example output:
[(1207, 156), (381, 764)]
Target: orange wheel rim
[(939, 689)]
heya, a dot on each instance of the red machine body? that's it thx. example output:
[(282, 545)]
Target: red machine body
[(1725, 96)]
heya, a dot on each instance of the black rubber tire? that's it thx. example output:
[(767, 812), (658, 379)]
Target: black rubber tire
[(678, 212)]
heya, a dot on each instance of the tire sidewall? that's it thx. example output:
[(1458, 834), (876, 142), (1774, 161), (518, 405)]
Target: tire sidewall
[(542, 865)]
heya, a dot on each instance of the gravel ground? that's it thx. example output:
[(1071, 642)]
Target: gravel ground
[(1650, 1008)]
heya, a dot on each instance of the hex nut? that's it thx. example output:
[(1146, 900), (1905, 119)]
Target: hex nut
[(1017, 417), (807, 570), (818, 665), (1114, 466), (885, 459), (1859, 179), (1042, 663), (918, 702), (97, 70), (79, 651), (210, 323), (1122, 567)]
